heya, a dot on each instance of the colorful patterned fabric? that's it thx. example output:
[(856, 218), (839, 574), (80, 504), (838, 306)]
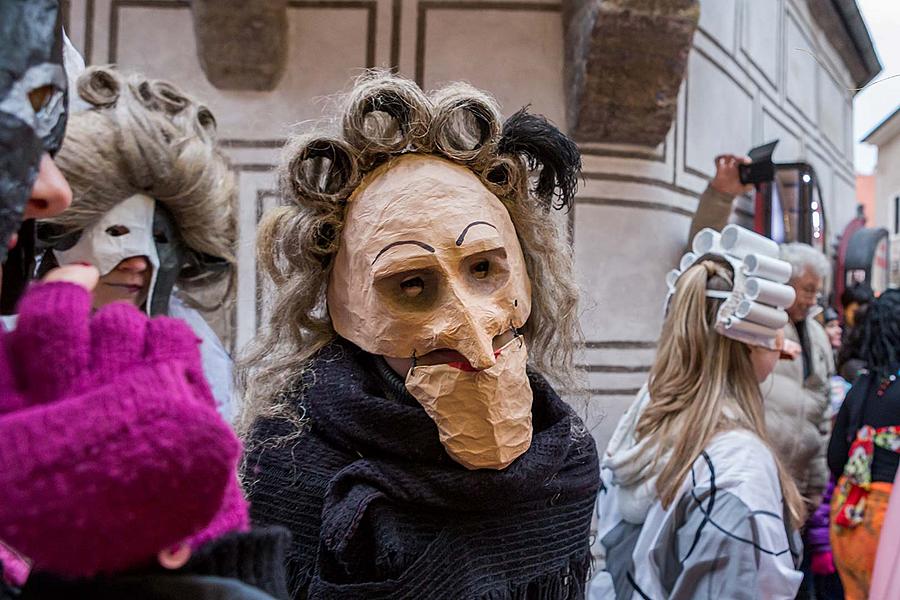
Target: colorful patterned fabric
[(856, 482), (854, 548)]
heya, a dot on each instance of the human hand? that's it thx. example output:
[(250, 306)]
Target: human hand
[(728, 179), (791, 350), (111, 448), (86, 276), (59, 348)]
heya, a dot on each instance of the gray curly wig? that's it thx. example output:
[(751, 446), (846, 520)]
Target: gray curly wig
[(526, 162), (146, 136)]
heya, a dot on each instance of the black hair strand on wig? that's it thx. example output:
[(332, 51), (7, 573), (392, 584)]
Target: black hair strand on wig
[(543, 145)]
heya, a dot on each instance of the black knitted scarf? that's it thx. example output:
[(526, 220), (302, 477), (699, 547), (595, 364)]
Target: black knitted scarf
[(400, 519)]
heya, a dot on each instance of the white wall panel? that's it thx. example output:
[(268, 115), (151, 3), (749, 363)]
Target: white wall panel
[(517, 55), (789, 148), (833, 110), (718, 18), (801, 70), (761, 35), (719, 115), (327, 47)]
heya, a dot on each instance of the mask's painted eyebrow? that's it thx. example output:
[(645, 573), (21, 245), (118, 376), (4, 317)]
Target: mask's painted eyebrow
[(462, 236), (422, 245)]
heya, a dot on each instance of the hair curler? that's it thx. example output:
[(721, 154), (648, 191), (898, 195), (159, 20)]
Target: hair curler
[(733, 324), (769, 292), (672, 278), (766, 267), (761, 314), (706, 240), (740, 242)]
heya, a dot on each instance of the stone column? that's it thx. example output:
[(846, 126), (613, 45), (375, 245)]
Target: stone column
[(241, 44), (624, 65), (625, 60)]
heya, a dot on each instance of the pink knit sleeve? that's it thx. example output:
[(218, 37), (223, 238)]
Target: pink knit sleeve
[(53, 331), (110, 445)]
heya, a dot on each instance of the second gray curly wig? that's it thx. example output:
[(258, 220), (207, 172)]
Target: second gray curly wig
[(146, 136), (526, 162)]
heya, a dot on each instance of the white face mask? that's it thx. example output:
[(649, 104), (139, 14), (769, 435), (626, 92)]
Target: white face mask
[(123, 232)]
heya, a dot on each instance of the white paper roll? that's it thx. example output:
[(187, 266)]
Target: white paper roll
[(749, 333), (706, 240), (740, 242), (687, 260), (766, 267), (769, 292), (761, 314), (672, 277)]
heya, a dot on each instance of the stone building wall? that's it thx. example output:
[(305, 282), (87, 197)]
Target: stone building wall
[(884, 186), (751, 77), (886, 137)]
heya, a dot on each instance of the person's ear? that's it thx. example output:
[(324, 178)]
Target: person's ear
[(175, 557)]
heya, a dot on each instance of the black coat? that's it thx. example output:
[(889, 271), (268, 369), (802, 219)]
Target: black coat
[(378, 510), (238, 566)]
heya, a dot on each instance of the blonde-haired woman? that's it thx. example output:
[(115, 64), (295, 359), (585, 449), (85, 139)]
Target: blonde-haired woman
[(695, 504)]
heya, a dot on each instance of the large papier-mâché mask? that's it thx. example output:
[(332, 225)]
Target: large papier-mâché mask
[(428, 259), (32, 102)]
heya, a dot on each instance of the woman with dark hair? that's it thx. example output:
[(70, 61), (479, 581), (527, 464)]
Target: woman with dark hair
[(865, 448), (853, 298), (849, 360)]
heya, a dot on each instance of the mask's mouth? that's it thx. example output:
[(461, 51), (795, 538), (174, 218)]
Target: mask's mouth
[(464, 365), (129, 288), (452, 358)]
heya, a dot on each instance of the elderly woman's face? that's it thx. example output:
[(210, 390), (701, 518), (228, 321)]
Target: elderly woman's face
[(807, 285)]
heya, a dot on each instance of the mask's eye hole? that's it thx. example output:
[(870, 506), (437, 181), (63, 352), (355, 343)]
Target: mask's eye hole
[(117, 230), (160, 237), (413, 286), (39, 97), (481, 269)]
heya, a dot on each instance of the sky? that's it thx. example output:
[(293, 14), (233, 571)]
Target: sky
[(877, 101)]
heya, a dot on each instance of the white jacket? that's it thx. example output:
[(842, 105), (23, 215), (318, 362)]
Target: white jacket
[(723, 536), (217, 364)]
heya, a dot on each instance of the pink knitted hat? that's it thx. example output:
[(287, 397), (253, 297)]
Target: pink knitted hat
[(111, 448)]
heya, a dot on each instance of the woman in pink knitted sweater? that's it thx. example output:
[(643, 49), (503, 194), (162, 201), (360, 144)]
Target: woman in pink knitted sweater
[(117, 476)]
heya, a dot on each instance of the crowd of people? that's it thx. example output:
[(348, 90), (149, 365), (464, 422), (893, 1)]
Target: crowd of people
[(395, 431)]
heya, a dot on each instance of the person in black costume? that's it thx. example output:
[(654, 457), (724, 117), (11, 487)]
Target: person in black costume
[(33, 115), (864, 450), (393, 425)]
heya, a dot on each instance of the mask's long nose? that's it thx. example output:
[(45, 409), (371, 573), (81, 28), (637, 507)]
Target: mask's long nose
[(467, 336), (50, 194)]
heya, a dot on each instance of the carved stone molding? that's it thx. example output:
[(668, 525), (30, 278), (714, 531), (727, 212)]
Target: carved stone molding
[(241, 44), (625, 61)]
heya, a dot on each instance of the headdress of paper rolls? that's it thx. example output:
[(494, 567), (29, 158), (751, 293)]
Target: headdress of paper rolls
[(754, 309)]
